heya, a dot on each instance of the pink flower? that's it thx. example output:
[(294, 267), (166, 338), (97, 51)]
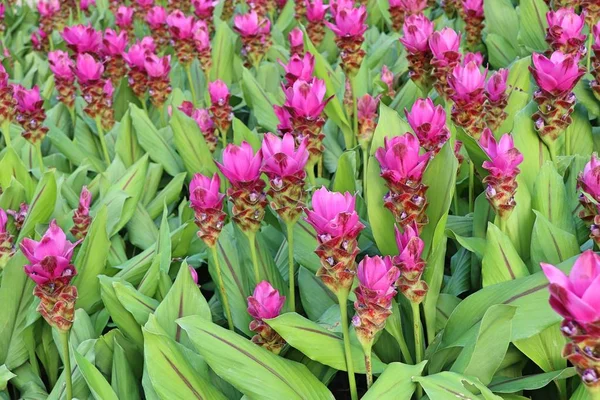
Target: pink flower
[(48, 8), (467, 81), (473, 8), (82, 39), (240, 164), (556, 75), (296, 38), (3, 221), (85, 199), (38, 39), (281, 158), (387, 77), (429, 123), (367, 107), (124, 17), (156, 17), (315, 10), (50, 258), (590, 178), (88, 69), (443, 42), (114, 44), (596, 33), (411, 7), (576, 297), (378, 275), (307, 98), (249, 24), (417, 30), (85, 4), (194, 274), (108, 89), (180, 26), (265, 302), (28, 100), (204, 8), (400, 160), (285, 119), (157, 67), (349, 22), (61, 65), (204, 120), (496, 86), (299, 68), (338, 5), (205, 193), (410, 248), (505, 157), (135, 57), (202, 39), (2, 10), (219, 93), (333, 215), (565, 25), (477, 58)]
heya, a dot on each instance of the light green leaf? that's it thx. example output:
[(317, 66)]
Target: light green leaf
[(396, 382), (501, 262), (101, 389), (42, 205)]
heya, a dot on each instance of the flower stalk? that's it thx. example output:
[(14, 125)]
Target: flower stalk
[(64, 341)]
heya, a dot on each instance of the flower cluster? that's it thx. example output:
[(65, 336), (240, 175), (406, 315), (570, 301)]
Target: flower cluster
[(496, 99), (349, 28), (81, 216), (183, 30), (565, 31), (207, 202), (156, 18), (445, 48), (255, 32), (205, 122), (367, 119), (472, 14), (30, 113), (6, 240), (411, 264), (97, 91), (315, 15), (429, 124), (265, 303), (113, 47), (468, 84), (400, 9), (220, 108), (7, 101), (417, 30), (589, 185), (595, 61)]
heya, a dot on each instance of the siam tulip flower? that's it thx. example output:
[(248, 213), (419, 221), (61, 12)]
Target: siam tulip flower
[(556, 77), (51, 269), (445, 47), (387, 77), (477, 58), (6, 241), (94, 88), (156, 18), (82, 39), (575, 298), (203, 48), (113, 47), (220, 109), (565, 31), (296, 39), (159, 83), (204, 9), (417, 30), (19, 215), (255, 33), (265, 303), (299, 68), (467, 83), (411, 264), (429, 124), (7, 103), (315, 15), (50, 15), (402, 167), (85, 5), (472, 14), (194, 274), (399, 9), (62, 68), (135, 58), (124, 19), (30, 113), (503, 169), (367, 119), (81, 216), (182, 31), (207, 203), (589, 184), (39, 40), (285, 120), (497, 99), (349, 28), (2, 14), (205, 123), (337, 225), (141, 7), (284, 164)]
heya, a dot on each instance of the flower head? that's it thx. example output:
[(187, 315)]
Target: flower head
[(495, 88), (135, 57), (505, 157), (124, 17), (400, 160), (410, 7), (87, 69), (349, 22), (250, 24), (28, 100), (114, 44), (565, 25), (265, 302), (296, 38), (367, 107), (410, 248), (299, 68), (204, 8), (48, 8), (219, 92), (333, 215), (61, 65), (82, 39), (477, 58), (315, 10), (576, 297), (204, 120), (590, 178), (378, 275), (443, 43), (240, 164), (157, 67), (429, 123), (85, 4), (307, 98), (156, 17), (467, 81), (194, 274), (557, 74), (85, 199), (417, 30), (281, 158), (202, 38), (180, 26), (205, 193), (473, 8)]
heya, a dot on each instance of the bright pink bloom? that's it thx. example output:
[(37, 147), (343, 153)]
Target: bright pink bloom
[(240, 164), (180, 26), (145, 4), (338, 5), (429, 124), (28, 100), (249, 24), (367, 107), (265, 302), (135, 57), (156, 17), (205, 192), (296, 38), (596, 33), (3, 221), (378, 275), (202, 39), (204, 8), (281, 158), (114, 44), (307, 98), (411, 7), (444, 42), (194, 274), (38, 39), (473, 8), (2, 10), (124, 17), (333, 215), (204, 120), (88, 69), (48, 8), (576, 297), (157, 67), (61, 65), (387, 77), (565, 25), (82, 39), (417, 30), (410, 248), (50, 258), (505, 157), (219, 93), (556, 75), (467, 81), (400, 160), (85, 4), (108, 89), (590, 178), (349, 22), (285, 120), (496, 85), (477, 58), (299, 68), (85, 199), (315, 10)]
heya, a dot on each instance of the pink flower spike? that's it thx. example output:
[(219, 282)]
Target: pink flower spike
[(400, 160), (281, 158), (156, 17), (205, 193), (114, 44), (410, 7), (135, 57), (157, 67), (204, 120), (265, 302), (417, 30), (82, 39), (296, 38), (307, 98), (565, 25), (557, 75), (429, 124), (378, 275), (250, 24), (367, 107), (299, 68), (473, 8), (496, 85), (443, 43), (85, 4), (349, 22), (61, 65), (477, 58), (410, 247), (590, 178), (505, 157), (28, 100), (467, 81), (219, 93), (87, 69), (333, 215), (124, 17), (48, 8), (85, 199), (180, 26), (315, 10), (204, 8), (194, 274), (240, 164)]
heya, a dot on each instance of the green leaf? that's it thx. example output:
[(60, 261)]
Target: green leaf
[(319, 344), (545, 348), (532, 17), (242, 133), (123, 380), (42, 205), (344, 180), (11, 167), (529, 382), (445, 385), (501, 262), (222, 52), (549, 198), (315, 296), (260, 102), (139, 305), (395, 383), (254, 371), (119, 314), (579, 133), (5, 376), (500, 51), (501, 19), (101, 389), (551, 244), (305, 244), (127, 146)]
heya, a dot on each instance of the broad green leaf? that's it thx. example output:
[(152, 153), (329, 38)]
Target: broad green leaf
[(549, 198), (529, 382), (119, 314), (139, 305), (5, 376), (501, 262), (501, 19), (101, 389), (242, 133), (395, 383), (127, 146), (445, 385), (551, 244), (11, 167), (254, 371), (315, 296), (345, 180), (123, 381), (260, 102), (41, 206), (305, 244), (579, 133), (222, 52), (545, 348), (501, 52), (168, 195), (533, 24)]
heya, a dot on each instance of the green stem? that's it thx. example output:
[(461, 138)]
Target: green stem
[(38, 150), (6, 132), (73, 118), (223, 138), (144, 105), (320, 167), (567, 143), (417, 328), (310, 171), (502, 225), (102, 140), (188, 72), (365, 151), (224, 298), (355, 111), (64, 339), (589, 49), (252, 240), (471, 186), (78, 12), (290, 238), (51, 42), (368, 364), (343, 301)]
